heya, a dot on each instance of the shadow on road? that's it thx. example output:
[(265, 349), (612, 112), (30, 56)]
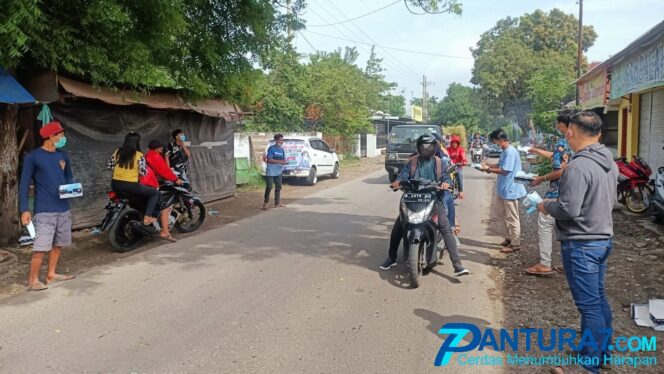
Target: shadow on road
[(436, 321)]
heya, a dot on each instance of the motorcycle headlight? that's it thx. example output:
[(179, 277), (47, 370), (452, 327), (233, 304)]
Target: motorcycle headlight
[(391, 156), (417, 217)]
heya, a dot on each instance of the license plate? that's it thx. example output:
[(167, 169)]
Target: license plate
[(410, 197)]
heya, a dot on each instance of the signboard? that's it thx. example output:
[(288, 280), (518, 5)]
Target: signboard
[(593, 91), (641, 71), (416, 113)]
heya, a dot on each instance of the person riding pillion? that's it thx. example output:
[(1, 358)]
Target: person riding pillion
[(425, 165)]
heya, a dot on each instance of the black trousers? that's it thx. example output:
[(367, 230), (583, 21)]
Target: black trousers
[(269, 183), (443, 226), (151, 195)]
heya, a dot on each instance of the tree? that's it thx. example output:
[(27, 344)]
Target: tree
[(508, 55), (204, 47), (282, 94), (548, 89), (339, 91)]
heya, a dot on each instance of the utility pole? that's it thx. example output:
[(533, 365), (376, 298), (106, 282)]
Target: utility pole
[(289, 26), (579, 50), (425, 99)]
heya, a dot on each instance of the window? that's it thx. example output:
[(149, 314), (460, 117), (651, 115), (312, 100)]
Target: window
[(324, 146)]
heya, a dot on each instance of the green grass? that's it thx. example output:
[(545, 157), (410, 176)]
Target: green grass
[(349, 160)]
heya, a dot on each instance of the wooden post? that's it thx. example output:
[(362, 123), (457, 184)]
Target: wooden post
[(8, 175)]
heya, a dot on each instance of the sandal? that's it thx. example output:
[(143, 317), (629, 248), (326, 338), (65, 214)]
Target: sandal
[(280, 206), (265, 206), (559, 269), (39, 286), (168, 238), (60, 278)]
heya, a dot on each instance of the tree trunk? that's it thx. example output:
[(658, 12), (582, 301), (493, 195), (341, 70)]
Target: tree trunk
[(8, 175)]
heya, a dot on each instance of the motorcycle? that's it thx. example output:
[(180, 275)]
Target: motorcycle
[(634, 190), (420, 226), (477, 154), (657, 205), (124, 217)]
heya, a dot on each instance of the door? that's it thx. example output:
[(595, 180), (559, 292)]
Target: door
[(623, 131), (644, 126), (324, 159), (656, 130)]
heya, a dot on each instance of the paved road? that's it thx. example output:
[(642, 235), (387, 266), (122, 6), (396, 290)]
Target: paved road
[(288, 291)]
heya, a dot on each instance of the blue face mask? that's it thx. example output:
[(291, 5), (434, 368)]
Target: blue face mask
[(183, 138), (61, 143)]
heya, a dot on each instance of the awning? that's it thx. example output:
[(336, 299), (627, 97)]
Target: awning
[(11, 92), (158, 100)]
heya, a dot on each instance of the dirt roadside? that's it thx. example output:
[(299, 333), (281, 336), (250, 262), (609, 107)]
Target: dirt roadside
[(635, 275), (91, 250)]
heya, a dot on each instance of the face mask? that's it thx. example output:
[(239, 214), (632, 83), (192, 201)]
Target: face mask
[(560, 133), (61, 143), (183, 138)]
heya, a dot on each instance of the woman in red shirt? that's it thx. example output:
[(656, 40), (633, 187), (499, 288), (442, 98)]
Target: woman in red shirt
[(458, 156), (157, 168)]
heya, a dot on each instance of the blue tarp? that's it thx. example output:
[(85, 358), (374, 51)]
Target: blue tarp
[(11, 92)]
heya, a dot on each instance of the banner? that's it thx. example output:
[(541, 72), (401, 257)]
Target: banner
[(641, 71), (593, 91), (416, 113)]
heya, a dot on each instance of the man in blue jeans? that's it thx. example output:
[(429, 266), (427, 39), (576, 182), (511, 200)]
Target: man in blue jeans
[(587, 193), (275, 161)]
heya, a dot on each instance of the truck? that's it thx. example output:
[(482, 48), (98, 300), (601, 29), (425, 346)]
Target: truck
[(401, 145)]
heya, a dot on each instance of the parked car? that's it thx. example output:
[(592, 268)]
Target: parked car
[(493, 150), (308, 158), (401, 144)]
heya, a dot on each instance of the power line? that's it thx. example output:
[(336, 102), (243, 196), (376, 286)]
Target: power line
[(391, 48), (396, 60), (307, 40), (358, 17), (395, 67)]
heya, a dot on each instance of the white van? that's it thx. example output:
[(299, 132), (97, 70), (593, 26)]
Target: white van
[(308, 157)]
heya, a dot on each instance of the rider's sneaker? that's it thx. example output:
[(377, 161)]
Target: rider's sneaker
[(461, 272), (389, 263)]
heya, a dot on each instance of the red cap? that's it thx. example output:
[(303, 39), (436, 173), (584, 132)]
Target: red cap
[(455, 138), (50, 129)]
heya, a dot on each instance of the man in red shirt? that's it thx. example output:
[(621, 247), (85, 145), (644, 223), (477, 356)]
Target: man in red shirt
[(458, 156), (158, 169)]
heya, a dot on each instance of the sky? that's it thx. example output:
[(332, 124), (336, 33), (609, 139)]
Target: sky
[(617, 23)]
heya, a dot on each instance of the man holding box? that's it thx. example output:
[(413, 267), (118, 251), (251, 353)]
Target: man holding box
[(49, 168)]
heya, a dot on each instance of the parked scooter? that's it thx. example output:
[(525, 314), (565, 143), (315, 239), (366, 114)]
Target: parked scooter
[(657, 205), (420, 226), (634, 188), (124, 217)]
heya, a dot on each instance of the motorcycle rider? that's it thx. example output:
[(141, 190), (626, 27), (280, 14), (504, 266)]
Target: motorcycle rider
[(458, 157), (158, 169), (425, 165)]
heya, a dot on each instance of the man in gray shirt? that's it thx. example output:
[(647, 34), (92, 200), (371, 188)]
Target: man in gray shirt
[(584, 225)]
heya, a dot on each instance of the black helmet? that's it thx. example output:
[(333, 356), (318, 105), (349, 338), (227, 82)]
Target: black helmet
[(426, 146)]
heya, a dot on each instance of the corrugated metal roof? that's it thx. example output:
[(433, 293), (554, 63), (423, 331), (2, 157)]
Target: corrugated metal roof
[(11, 92)]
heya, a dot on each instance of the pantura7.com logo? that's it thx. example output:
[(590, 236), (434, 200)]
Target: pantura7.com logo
[(515, 347)]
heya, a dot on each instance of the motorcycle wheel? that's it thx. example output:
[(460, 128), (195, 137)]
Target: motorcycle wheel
[(186, 224), (121, 234), (415, 260), (638, 200)]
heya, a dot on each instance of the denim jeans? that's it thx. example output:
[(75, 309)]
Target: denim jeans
[(269, 183), (584, 262), (448, 201)]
